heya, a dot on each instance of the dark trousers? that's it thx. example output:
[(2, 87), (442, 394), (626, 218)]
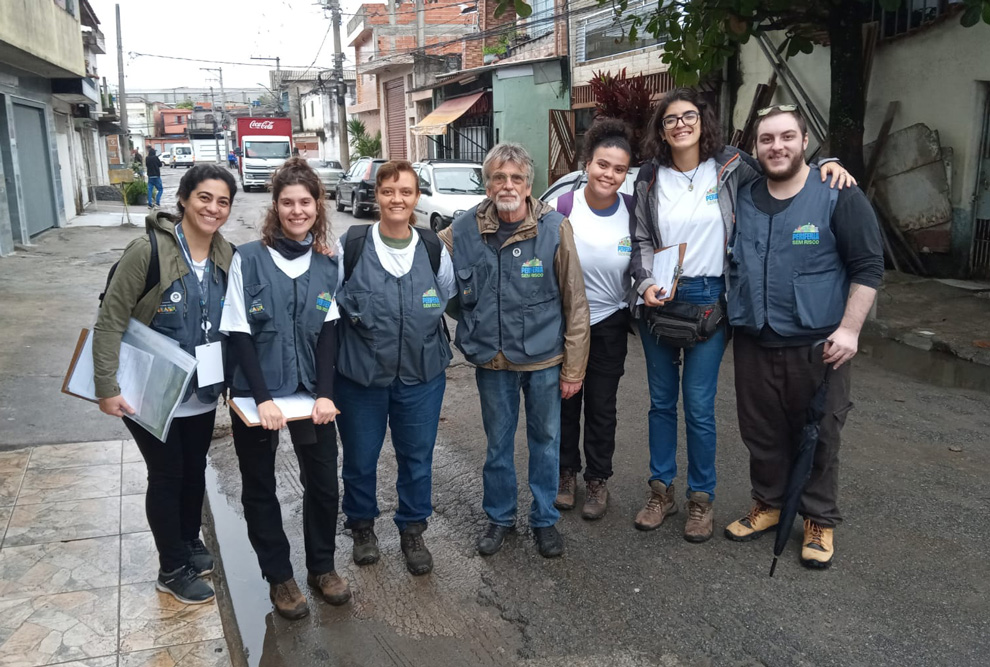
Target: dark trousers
[(176, 483), (774, 386), (606, 364), (316, 450)]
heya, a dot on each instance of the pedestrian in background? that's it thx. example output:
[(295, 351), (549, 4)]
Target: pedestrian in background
[(524, 324), (154, 166), (280, 316), (194, 260), (390, 371), (599, 218)]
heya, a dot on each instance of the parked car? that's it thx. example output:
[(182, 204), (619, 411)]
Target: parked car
[(447, 189), (578, 179), (330, 172), (356, 188), (182, 156), (166, 158)]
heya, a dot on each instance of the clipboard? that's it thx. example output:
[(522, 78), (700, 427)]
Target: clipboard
[(668, 265), (295, 407), (80, 346)]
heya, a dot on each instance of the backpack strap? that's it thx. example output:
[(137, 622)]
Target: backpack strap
[(433, 247), (628, 199), (353, 247), (565, 203), (151, 278)]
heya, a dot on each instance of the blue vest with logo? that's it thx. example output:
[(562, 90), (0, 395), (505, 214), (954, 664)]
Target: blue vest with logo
[(785, 269), (286, 316), (509, 297), (180, 317), (391, 327)]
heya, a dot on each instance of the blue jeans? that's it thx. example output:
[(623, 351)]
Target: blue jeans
[(699, 383), (155, 182), (412, 412), (499, 393)]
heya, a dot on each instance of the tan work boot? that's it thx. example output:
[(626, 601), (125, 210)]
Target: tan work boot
[(595, 500), (701, 517), (818, 547), (289, 601), (659, 506), (760, 519), (333, 589), (566, 490)]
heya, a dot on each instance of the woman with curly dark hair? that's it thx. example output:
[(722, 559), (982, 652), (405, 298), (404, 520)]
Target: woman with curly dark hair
[(280, 316), (686, 193), (599, 216)]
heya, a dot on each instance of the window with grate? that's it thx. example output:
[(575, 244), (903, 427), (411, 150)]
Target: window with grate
[(910, 15), (601, 35), (540, 22)]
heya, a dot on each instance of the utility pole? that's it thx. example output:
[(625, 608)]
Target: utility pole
[(125, 142), (213, 109), (278, 70), (223, 106), (340, 87)]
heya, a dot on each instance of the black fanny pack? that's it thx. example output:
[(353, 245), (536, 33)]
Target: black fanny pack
[(682, 324)]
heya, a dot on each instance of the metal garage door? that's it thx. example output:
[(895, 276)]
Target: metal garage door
[(34, 162), (395, 111)]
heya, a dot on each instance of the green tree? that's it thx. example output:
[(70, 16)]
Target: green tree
[(187, 104), (364, 145), (701, 34)]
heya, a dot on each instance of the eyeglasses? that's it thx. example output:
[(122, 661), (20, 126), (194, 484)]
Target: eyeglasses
[(499, 178), (777, 107), (690, 118)]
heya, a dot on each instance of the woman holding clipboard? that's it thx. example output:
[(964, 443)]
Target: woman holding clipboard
[(185, 305), (279, 314), (686, 193)]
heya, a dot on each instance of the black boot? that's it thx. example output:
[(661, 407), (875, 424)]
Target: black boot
[(549, 541), (365, 550), (418, 557)]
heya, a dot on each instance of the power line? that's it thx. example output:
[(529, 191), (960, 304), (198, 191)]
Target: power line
[(135, 54), (473, 3), (318, 51)]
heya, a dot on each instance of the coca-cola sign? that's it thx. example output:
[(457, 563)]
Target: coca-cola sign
[(261, 125)]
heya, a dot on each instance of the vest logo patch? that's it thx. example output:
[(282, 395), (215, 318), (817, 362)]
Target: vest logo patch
[(165, 308), (625, 246), (323, 301), (256, 307), (711, 195), (467, 291), (805, 235), (430, 299), (532, 269)]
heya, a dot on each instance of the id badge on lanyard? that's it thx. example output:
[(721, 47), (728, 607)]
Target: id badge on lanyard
[(209, 370)]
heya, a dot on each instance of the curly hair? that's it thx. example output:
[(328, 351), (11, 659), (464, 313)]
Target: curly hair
[(711, 143), (607, 133), (198, 174), (390, 172), (295, 171)]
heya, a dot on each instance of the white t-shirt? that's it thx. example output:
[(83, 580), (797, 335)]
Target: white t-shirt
[(604, 247), (193, 406), (398, 261), (692, 217)]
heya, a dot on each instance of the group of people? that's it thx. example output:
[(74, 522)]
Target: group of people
[(545, 295)]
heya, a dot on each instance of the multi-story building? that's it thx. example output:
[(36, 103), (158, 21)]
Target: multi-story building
[(320, 130)]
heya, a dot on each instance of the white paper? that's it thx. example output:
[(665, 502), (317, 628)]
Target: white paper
[(132, 375), (209, 371), (665, 271), (292, 407)]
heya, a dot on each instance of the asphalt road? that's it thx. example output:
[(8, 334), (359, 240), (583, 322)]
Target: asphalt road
[(909, 585)]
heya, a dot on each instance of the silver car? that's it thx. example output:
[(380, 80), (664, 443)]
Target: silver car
[(329, 172), (447, 189)]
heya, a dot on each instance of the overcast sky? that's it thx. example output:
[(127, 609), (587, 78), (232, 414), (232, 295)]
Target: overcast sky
[(229, 30)]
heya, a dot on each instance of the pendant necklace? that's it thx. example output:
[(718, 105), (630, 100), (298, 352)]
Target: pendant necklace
[(690, 178)]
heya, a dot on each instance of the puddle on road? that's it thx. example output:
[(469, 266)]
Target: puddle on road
[(937, 368)]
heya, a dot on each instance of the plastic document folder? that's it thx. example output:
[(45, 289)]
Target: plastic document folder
[(293, 407), (668, 265), (153, 375)]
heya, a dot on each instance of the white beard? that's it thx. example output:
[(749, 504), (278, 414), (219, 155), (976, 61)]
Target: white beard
[(508, 205)]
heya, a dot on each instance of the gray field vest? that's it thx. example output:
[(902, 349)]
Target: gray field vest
[(286, 316), (510, 299), (391, 327), (180, 317), (785, 269)]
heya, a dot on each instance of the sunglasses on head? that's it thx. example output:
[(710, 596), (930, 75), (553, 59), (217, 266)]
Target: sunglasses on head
[(777, 107)]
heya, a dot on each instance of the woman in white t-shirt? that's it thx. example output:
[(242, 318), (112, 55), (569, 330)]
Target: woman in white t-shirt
[(599, 216), (280, 318)]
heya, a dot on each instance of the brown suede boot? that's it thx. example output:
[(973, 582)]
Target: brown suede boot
[(333, 589), (701, 517), (595, 500), (659, 506), (566, 490), (289, 601)]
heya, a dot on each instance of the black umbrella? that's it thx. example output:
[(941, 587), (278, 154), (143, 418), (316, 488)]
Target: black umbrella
[(803, 461)]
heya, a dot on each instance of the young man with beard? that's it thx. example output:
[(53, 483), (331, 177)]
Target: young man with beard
[(806, 264), (524, 323)]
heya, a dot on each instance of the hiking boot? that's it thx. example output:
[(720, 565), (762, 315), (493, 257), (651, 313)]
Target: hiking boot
[(418, 558), (595, 500), (701, 517), (659, 506), (566, 490), (199, 557), (184, 585), (549, 542), (289, 601), (491, 541), (365, 550), (333, 589), (818, 547), (760, 519)]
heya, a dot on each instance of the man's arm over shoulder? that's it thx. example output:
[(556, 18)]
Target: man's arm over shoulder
[(574, 301), (641, 232), (447, 236)]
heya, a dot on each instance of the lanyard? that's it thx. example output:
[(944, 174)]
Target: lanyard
[(204, 283)]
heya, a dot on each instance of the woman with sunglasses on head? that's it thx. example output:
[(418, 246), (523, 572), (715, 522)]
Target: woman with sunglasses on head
[(686, 193), (599, 216), (280, 316)]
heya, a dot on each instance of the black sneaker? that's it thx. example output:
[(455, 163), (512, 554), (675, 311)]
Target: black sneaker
[(549, 541), (491, 541), (184, 585), (365, 551), (199, 557), (419, 560)]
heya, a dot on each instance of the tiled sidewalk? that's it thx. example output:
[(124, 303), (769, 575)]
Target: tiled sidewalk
[(78, 565)]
